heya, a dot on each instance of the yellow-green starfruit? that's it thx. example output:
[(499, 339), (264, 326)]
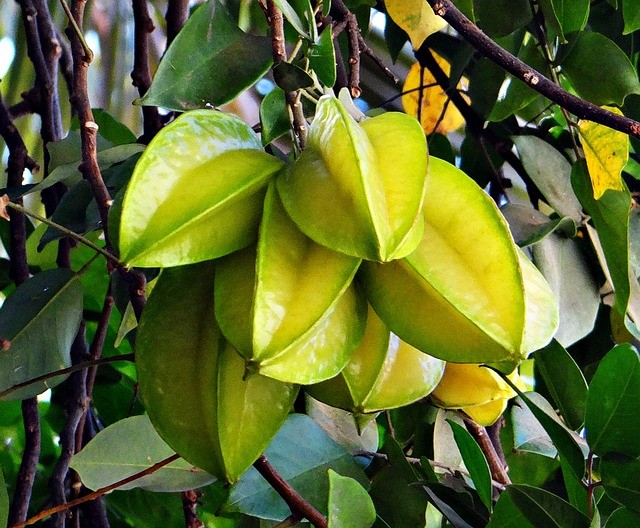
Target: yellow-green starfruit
[(196, 193), (466, 294), (383, 373), (290, 307), (358, 187), (191, 379)]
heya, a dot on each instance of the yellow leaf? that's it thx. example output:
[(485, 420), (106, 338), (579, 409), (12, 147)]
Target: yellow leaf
[(416, 17), (433, 100), (607, 152)]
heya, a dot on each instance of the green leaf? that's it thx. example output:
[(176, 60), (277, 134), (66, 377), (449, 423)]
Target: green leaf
[(274, 116), (528, 507), (613, 402), (564, 381), (127, 447), (589, 63), (40, 319), (610, 215), (528, 435), (631, 15), (565, 16), (196, 193), (515, 95), (4, 501), (349, 503), (562, 438), (301, 453), (564, 264), (623, 518), (209, 63), (551, 172), (132, 508), (619, 474), (498, 18), (300, 15), (530, 226), (322, 58), (290, 77), (108, 127), (475, 462)]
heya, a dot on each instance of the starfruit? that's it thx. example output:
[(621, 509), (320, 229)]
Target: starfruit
[(196, 193), (466, 294), (290, 308), (478, 391), (191, 379), (358, 187), (383, 373)]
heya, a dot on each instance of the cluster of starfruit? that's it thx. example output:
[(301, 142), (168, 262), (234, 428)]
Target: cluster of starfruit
[(363, 270)]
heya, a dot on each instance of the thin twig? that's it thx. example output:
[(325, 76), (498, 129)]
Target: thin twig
[(297, 504), (190, 501), (98, 493), (532, 78), (63, 372), (480, 435)]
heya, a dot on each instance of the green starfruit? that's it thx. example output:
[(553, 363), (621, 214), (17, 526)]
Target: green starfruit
[(358, 187), (191, 379), (456, 299), (196, 193), (291, 309), (383, 373)]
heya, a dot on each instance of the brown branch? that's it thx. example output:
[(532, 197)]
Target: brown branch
[(176, 17), (298, 505), (30, 104), (96, 494), (190, 501), (480, 435), (346, 19), (141, 74), (276, 24), (532, 78), (19, 272)]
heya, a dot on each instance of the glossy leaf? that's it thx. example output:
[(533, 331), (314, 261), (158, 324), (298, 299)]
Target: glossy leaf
[(128, 447), (4, 501), (612, 403), (349, 503), (564, 381), (564, 264), (209, 63), (40, 320), (431, 105), (529, 507), (300, 15), (416, 18), (322, 58), (196, 192), (530, 226), (587, 65), (610, 215), (565, 16), (419, 296), (528, 434), (475, 462), (631, 15), (290, 77), (346, 190), (204, 410), (274, 116), (301, 453), (498, 18), (623, 518), (619, 476), (383, 373), (551, 172)]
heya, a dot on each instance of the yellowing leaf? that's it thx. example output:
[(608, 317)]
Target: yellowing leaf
[(432, 100), (606, 152), (416, 17)]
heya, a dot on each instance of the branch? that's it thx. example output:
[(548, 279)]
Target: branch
[(141, 74), (176, 18), (189, 504), (96, 494), (480, 435), (276, 23), (532, 78), (298, 505)]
